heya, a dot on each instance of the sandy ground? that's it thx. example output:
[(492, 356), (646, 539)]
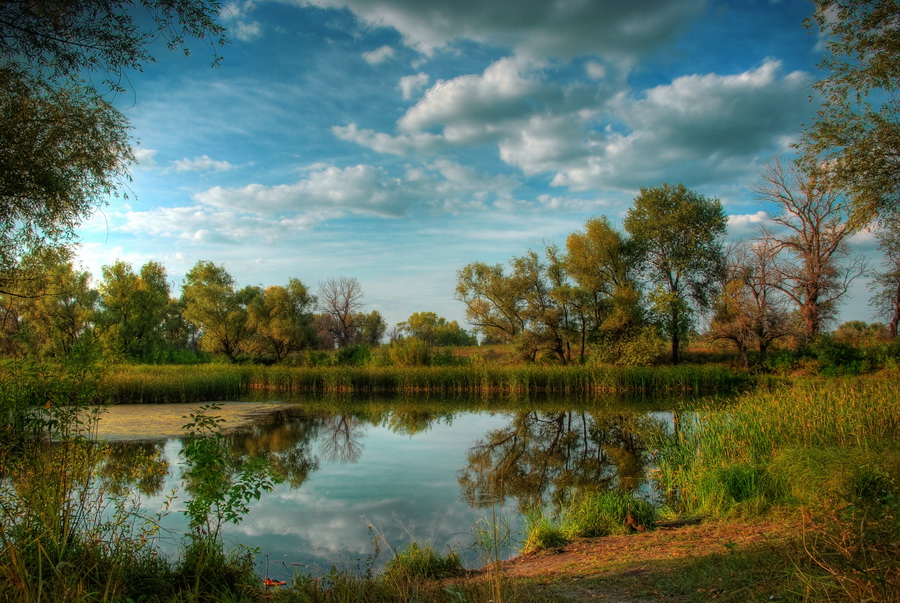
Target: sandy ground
[(161, 421)]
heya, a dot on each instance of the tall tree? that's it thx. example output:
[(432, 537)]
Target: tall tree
[(371, 328), (281, 320), (219, 311), (54, 310), (809, 238), (605, 299), (134, 309), (856, 136), (886, 284), (341, 300), (63, 149), (677, 236)]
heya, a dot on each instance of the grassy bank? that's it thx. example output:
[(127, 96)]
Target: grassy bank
[(154, 384), (826, 450)]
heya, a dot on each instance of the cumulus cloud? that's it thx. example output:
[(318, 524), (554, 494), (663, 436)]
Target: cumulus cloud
[(621, 31), (378, 56), (707, 128), (507, 89), (411, 84), (201, 164)]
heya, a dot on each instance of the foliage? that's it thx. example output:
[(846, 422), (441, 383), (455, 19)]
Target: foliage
[(221, 492), (133, 311), (677, 236), (63, 148), (217, 309), (281, 320), (63, 151), (435, 330), (855, 138)]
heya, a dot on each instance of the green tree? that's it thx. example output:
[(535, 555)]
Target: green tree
[(218, 310), (63, 149), (281, 320), (435, 330), (856, 135), (599, 260), (53, 310), (134, 309), (677, 235), (371, 328), (809, 240), (886, 284)]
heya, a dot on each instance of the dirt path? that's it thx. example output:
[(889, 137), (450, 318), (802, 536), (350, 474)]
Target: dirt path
[(626, 568)]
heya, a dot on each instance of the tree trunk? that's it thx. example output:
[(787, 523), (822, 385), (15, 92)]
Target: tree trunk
[(895, 319)]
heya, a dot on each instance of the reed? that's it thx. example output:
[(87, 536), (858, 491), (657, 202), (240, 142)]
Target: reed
[(720, 461), (154, 384)]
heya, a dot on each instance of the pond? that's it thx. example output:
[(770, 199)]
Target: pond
[(374, 475)]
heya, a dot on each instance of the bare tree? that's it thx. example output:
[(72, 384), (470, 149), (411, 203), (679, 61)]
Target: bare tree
[(751, 310), (341, 299), (808, 237)]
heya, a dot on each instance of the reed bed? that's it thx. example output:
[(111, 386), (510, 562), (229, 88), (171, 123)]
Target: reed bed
[(720, 460), (155, 384)]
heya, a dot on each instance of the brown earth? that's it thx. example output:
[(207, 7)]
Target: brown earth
[(642, 567)]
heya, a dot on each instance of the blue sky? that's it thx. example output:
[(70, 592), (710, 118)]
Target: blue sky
[(396, 141)]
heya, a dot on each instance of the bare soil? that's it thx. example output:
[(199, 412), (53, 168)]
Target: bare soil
[(640, 567)]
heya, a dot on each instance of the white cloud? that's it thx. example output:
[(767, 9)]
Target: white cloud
[(201, 164), (410, 84), (236, 15), (385, 143), (378, 56), (144, 157), (505, 90), (621, 31)]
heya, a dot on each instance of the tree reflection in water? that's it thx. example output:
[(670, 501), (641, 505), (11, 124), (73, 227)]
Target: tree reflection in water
[(540, 455)]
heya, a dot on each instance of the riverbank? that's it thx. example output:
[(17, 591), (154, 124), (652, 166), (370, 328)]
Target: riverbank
[(727, 560)]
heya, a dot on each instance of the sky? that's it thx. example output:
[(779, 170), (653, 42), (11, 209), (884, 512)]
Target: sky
[(396, 141)]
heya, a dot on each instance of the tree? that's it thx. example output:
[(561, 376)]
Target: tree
[(605, 299), (750, 311), (281, 320), (217, 309), (886, 284), (55, 310), (809, 240), (435, 330), (677, 236), (63, 149), (341, 300), (856, 135), (134, 309), (371, 328)]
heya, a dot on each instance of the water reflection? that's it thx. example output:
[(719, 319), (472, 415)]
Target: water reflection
[(400, 472)]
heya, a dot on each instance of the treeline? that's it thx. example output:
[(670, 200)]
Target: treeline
[(617, 296), (132, 316)]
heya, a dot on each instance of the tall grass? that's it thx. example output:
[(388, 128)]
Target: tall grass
[(153, 384), (827, 447)]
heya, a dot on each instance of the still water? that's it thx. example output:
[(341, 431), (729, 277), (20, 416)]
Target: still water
[(370, 477)]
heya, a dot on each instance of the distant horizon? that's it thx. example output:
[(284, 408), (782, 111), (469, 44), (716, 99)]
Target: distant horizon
[(399, 142)]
